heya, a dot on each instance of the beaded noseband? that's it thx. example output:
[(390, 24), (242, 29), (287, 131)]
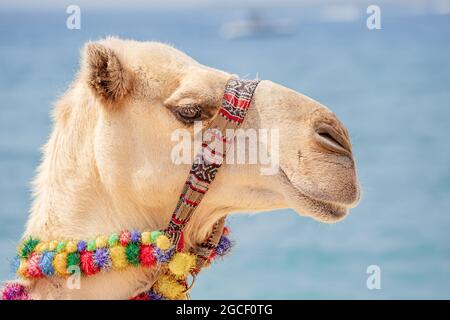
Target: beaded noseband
[(164, 248)]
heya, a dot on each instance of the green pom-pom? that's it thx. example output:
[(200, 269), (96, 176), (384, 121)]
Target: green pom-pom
[(61, 246), (28, 247), (132, 253), (91, 245), (113, 239), (154, 235), (73, 259)]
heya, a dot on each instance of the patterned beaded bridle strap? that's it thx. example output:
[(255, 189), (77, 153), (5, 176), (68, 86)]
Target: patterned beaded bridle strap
[(236, 101)]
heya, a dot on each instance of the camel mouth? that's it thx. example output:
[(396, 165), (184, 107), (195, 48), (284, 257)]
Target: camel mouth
[(318, 209)]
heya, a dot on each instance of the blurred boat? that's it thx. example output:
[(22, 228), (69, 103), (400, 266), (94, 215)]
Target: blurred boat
[(256, 26)]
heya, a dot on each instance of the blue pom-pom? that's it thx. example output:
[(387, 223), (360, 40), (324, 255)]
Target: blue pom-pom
[(135, 236), (46, 263), (152, 295), (223, 247), (163, 255), (102, 259), (81, 246), (14, 264)]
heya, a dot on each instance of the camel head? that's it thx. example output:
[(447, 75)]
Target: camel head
[(143, 92)]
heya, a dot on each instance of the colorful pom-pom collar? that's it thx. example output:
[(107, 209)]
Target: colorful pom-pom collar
[(38, 259)]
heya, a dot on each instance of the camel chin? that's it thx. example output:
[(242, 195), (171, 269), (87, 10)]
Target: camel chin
[(313, 207), (322, 211)]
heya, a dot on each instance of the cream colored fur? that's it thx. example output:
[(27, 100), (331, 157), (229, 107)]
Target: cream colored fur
[(107, 167)]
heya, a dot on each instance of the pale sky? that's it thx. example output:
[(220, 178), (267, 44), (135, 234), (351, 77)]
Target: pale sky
[(112, 4)]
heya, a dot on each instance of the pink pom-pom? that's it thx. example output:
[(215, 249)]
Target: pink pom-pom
[(124, 238), (34, 270), (147, 257), (87, 263), (15, 291)]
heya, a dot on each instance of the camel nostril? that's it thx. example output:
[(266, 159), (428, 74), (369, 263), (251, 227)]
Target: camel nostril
[(330, 138)]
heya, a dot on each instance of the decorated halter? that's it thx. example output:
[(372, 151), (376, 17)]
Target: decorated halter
[(163, 249)]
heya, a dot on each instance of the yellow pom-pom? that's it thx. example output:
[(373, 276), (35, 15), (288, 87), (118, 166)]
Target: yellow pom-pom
[(19, 249), (163, 242), (118, 257), (146, 237), (52, 245), (60, 263), (181, 263), (71, 246), (101, 241), (182, 296), (169, 287), (22, 270), (41, 247)]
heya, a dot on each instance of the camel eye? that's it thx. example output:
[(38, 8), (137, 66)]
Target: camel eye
[(189, 113)]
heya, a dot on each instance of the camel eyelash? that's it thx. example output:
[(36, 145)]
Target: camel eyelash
[(193, 112), (189, 113)]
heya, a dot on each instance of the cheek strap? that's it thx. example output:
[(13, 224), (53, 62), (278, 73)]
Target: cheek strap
[(236, 101)]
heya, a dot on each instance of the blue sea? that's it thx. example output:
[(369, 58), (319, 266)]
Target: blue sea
[(391, 87)]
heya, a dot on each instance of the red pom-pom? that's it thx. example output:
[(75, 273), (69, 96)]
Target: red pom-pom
[(87, 263), (146, 256), (34, 270), (180, 245), (226, 231), (212, 255), (142, 296), (124, 238)]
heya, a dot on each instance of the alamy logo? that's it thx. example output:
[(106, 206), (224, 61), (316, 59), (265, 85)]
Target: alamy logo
[(374, 20), (74, 19), (74, 280), (374, 278), (250, 146)]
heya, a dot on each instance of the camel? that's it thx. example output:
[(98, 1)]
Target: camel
[(107, 164)]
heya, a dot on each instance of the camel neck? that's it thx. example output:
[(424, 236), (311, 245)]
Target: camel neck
[(70, 198)]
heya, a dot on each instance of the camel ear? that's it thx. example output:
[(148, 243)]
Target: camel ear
[(106, 75)]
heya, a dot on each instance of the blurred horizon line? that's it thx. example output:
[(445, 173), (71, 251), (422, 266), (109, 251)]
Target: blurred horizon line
[(324, 10), (442, 6)]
